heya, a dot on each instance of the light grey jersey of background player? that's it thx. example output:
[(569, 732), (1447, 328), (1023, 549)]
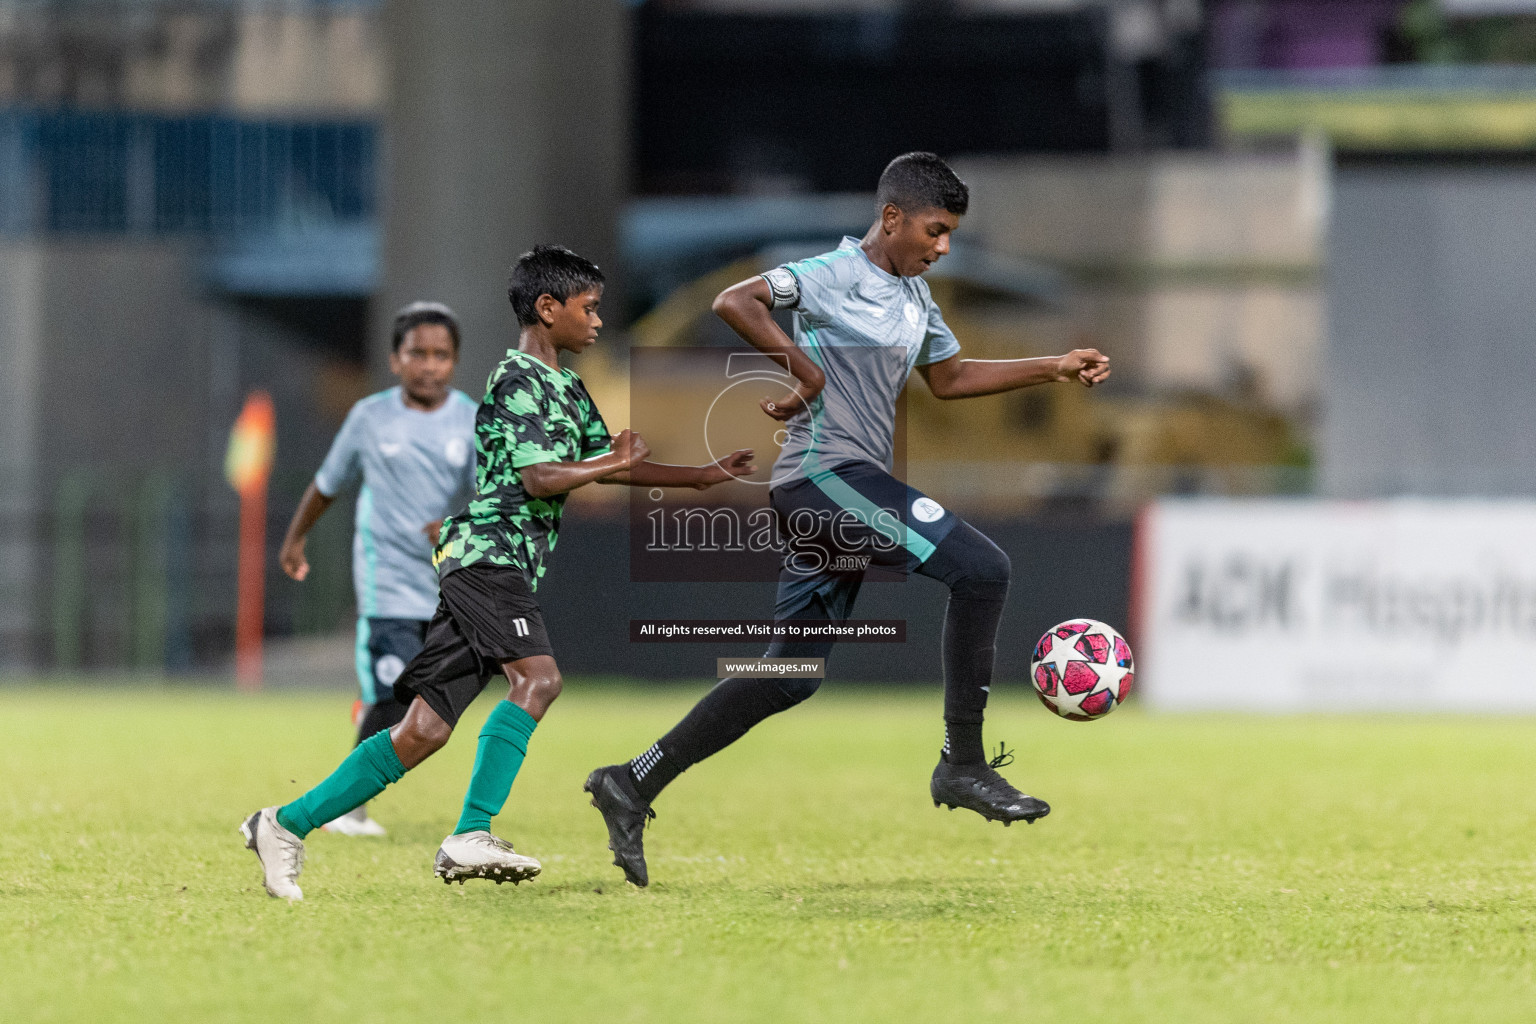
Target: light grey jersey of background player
[(416, 467), (866, 329)]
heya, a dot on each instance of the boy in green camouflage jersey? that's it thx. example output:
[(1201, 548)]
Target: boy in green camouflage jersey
[(532, 415), (538, 436)]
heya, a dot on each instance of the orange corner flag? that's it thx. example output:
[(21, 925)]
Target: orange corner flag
[(252, 444), (248, 467)]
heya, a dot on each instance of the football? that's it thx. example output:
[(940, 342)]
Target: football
[(1082, 669)]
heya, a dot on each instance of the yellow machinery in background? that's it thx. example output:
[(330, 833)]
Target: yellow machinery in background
[(998, 454)]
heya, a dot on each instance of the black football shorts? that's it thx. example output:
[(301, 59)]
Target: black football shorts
[(486, 615)]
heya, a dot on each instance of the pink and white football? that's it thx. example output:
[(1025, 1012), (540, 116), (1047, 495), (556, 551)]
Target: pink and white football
[(1082, 669)]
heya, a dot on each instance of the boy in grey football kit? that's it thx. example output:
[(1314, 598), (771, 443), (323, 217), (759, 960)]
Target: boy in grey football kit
[(863, 321), (415, 468)]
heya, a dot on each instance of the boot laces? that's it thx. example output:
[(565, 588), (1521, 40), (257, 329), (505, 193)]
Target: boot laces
[(649, 812), (292, 854), (990, 779)]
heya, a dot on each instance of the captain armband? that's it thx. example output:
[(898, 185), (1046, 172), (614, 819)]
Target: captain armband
[(784, 287)]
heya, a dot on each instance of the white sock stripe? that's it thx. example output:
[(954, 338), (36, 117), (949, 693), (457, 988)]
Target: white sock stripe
[(643, 764)]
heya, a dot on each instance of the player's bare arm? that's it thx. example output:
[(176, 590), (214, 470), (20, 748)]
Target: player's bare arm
[(546, 479), (311, 507), (969, 378), (748, 309), (658, 474)]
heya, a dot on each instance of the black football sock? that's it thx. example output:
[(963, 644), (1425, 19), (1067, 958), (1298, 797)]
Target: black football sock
[(652, 772), (385, 714), (970, 645), (724, 715), (976, 572)]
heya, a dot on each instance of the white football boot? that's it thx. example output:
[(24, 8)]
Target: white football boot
[(281, 853), (355, 822), (482, 855)]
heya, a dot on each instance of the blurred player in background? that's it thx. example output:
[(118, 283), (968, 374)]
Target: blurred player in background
[(413, 448), (539, 437), (864, 319)]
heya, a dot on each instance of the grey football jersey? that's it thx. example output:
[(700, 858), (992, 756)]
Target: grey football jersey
[(866, 329), (416, 467)]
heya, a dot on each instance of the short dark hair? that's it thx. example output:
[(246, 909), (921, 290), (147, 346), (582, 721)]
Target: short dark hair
[(921, 181), (551, 270), (417, 313)]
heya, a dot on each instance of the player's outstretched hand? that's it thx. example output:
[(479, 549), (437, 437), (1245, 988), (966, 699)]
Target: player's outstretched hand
[(292, 559), (738, 463), (631, 447), (1087, 366)]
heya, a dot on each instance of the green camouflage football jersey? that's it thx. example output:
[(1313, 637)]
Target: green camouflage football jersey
[(531, 414)]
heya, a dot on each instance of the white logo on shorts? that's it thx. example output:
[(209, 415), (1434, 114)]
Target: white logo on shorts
[(926, 510), (388, 668), (456, 451), (520, 627)]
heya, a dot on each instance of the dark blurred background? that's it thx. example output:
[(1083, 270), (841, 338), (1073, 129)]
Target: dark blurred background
[(1302, 228)]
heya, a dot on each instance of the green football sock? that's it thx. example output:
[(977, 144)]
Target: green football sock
[(372, 765), (503, 745)]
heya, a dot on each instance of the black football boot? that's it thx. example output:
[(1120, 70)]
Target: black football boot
[(980, 788), (625, 814)]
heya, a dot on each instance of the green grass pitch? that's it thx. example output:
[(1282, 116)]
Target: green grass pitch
[(1200, 868)]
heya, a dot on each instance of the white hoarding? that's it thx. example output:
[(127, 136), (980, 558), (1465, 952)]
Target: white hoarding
[(1280, 605)]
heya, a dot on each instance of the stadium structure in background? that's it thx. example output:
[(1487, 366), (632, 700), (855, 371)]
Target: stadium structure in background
[(195, 204), (192, 199), (752, 100)]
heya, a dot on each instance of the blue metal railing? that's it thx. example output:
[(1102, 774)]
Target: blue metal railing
[(118, 172)]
